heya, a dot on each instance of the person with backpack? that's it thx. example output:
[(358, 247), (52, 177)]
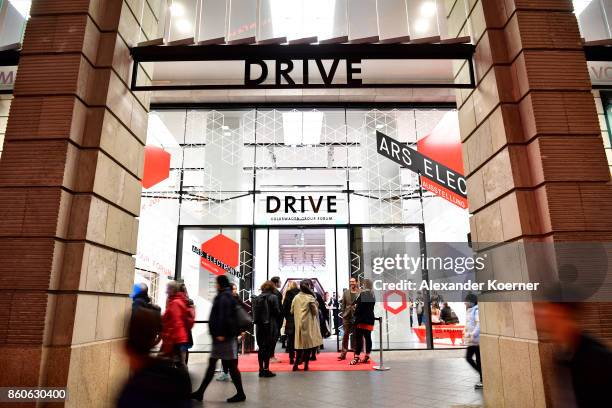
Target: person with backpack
[(177, 322), (265, 315), (305, 312), (223, 328)]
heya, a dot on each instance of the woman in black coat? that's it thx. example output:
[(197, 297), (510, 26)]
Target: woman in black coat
[(364, 322), (221, 325), (290, 292)]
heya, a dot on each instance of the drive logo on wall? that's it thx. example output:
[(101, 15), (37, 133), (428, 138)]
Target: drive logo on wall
[(219, 255)]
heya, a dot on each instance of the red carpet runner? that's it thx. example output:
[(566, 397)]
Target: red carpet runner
[(326, 361)]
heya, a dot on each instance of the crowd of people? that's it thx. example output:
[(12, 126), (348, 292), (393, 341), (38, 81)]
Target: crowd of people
[(163, 380), (301, 310)]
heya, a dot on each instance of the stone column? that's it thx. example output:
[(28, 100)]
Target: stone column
[(70, 196), (535, 165)]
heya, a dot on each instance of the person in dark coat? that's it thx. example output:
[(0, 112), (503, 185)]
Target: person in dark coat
[(279, 322), (140, 296), (154, 382), (266, 331), (221, 325), (290, 292), (583, 369), (364, 322)]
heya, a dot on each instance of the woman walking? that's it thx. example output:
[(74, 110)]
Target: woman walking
[(221, 324), (364, 322), (290, 293), (266, 311), (306, 319)]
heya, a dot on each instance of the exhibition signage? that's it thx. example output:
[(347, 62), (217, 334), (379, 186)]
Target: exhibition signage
[(435, 176), (287, 208), (219, 255)]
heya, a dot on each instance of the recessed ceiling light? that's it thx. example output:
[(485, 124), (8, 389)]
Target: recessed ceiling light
[(224, 127), (428, 9), (184, 25), (177, 9), (421, 25), (227, 133), (380, 126)]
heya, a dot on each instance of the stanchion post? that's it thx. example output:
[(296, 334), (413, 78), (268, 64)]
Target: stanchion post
[(381, 364)]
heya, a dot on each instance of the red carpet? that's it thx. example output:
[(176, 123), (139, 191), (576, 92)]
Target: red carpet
[(326, 361)]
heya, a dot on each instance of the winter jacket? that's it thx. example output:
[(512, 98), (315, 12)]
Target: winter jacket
[(221, 322), (472, 327), (177, 321), (140, 300), (289, 323), (159, 384), (364, 308)]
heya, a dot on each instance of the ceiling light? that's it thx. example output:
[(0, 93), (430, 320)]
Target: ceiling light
[(227, 133), (22, 6), (184, 26), (177, 9), (428, 9), (225, 127), (421, 25), (380, 126)]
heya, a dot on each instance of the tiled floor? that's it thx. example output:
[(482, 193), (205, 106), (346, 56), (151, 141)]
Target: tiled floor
[(416, 379)]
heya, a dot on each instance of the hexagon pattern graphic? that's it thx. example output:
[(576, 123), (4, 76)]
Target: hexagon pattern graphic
[(156, 166), (221, 249), (392, 297)]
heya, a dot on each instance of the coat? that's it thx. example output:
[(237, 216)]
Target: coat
[(177, 321), (364, 308), (306, 319), (289, 322), (221, 319)]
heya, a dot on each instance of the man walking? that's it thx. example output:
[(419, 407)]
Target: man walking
[(347, 310), (472, 335)]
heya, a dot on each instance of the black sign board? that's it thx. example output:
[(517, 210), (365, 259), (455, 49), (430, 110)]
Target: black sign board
[(421, 164), (302, 66)]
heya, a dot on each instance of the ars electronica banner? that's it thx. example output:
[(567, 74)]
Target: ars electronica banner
[(220, 255), (438, 160)]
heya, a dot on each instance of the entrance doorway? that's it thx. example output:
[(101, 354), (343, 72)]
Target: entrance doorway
[(318, 253)]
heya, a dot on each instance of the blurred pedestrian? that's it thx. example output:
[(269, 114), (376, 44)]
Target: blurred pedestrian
[(472, 335), (222, 325), (140, 297), (154, 382), (583, 365), (177, 322), (306, 319)]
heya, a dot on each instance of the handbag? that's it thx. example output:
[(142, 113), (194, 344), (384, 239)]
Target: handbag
[(243, 320)]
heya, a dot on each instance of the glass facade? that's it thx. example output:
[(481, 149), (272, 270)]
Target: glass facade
[(300, 191)]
